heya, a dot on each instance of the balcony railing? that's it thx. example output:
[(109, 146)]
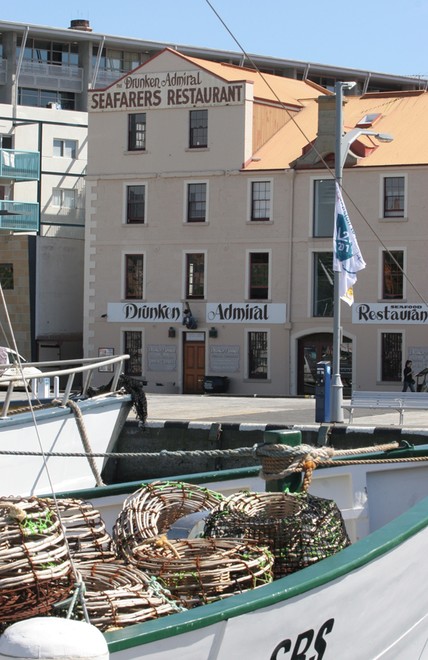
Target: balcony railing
[(19, 165), (19, 216)]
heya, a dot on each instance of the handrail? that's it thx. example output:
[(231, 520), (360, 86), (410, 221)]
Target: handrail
[(91, 364), (82, 361), (88, 365)]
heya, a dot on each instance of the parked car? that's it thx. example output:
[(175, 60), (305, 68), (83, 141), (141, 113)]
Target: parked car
[(9, 366)]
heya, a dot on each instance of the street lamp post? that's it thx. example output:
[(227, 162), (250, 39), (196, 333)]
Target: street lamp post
[(342, 145), (336, 398)]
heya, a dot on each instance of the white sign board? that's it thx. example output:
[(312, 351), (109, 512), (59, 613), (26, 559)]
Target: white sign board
[(396, 313), (133, 312), (248, 313)]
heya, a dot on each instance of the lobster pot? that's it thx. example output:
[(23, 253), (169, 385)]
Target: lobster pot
[(154, 508), (299, 529), (198, 571), (119, 595), (85, 531), (35, 569)]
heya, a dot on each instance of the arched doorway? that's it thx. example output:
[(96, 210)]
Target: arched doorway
[(316, 347)]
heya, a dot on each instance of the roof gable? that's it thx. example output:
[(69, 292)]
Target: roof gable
[(184, 72)]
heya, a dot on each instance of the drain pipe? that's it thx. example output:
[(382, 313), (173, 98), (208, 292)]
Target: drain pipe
[(18, 72)]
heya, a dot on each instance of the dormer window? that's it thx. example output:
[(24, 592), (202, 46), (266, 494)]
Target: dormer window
[(369, 120)]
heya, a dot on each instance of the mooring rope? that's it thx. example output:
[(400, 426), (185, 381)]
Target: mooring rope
[(211, 453), (84, 437), (278, 461), (320, 454)]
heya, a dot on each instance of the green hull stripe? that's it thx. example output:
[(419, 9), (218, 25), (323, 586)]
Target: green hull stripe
[(349, 559)]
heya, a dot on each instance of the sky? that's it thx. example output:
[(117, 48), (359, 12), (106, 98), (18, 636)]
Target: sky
[(383, 36)]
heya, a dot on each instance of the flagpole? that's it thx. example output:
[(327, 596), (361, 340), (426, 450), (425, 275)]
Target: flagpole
[(336, 394)]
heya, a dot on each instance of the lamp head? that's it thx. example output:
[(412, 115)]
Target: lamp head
[(384, 137)]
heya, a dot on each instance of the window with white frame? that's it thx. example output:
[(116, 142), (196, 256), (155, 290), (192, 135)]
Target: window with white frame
[(391, 354), (64, 148), (323, 284), (133, 346), (323, 207), (257, 342), (258, 275), (135, 204), (64, 198), (196, 202), (134, 276), (392, 274), (198, 129), (260, 201), (394, 197)]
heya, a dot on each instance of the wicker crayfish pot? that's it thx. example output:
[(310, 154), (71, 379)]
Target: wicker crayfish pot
[(85, 531), (118, 595), (155, 507), (198, 571), (299, 529), (35, 568)]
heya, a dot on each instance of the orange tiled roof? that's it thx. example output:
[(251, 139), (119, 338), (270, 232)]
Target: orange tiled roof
[(402, 115), (267, 87)]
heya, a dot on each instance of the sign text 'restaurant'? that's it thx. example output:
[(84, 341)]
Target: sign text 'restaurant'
[(165, 90), (397, 313)]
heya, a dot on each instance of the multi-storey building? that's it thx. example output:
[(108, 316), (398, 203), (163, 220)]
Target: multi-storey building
[(209, 225), (45, 75)]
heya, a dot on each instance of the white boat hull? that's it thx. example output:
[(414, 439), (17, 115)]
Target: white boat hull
[(369, 601), (56, 430)]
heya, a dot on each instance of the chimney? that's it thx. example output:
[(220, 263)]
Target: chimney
[(81, 25), (327, 119), (325, 141)]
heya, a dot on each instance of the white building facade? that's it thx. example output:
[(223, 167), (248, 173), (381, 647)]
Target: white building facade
[(209, 235)]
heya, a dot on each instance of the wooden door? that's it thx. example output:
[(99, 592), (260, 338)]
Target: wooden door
[(194, 367)]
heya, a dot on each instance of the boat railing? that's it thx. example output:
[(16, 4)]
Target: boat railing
[(71, 368)]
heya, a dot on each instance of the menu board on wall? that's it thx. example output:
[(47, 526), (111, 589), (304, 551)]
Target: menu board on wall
[(224, 359), (161, 357)]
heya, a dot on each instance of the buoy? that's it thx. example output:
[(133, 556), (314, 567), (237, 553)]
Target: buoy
[(51, 638)]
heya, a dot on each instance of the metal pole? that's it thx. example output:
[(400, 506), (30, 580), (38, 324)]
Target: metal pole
[(336, 396)]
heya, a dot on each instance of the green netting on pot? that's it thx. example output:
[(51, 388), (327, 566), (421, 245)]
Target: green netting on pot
[(155, 507), (300, 529), (198, 571)]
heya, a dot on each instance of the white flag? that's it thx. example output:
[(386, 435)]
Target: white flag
[(347, 258)]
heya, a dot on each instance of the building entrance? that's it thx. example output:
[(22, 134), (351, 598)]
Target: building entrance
[(316, 347), (194, 363)]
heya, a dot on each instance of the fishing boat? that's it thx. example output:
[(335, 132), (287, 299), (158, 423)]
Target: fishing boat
[(365, 598), (61, 414)]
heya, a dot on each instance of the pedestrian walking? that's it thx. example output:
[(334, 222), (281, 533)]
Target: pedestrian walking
[(408, 378)]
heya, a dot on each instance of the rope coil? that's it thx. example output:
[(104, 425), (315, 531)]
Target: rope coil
[(279, 461)]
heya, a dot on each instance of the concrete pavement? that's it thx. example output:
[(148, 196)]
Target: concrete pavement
[(265, 410)]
